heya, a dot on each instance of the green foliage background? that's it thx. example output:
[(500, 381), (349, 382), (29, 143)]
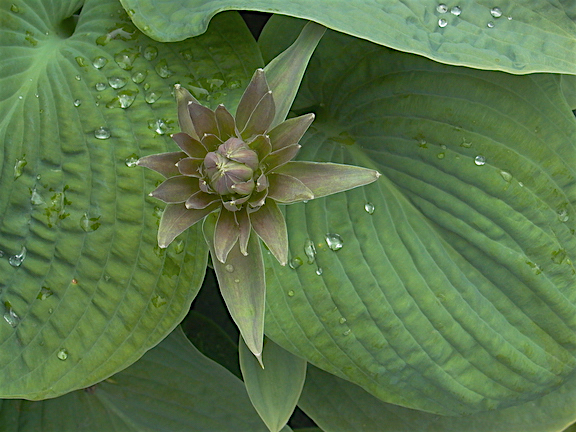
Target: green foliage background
[(450, 305)]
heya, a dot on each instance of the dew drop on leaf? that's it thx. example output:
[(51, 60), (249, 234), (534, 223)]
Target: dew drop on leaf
[(10, 316), (89, 224), (14, 8), (44, 293), (295, 263), (563, 215), (442, 8), (150, 52), (159, 126), (310, 251), (347, 332), (19, 166), (126, 98), (334, 241), (496, 12), (369, 207), (506, 176), (319, 271), (480, 160), (342, 320), (456, 10), (229, 268), (100, 86), (131, 161), (99, 62), (442, 23), (490, 24), (116, 82), (152, 97), (18, 259), (77, 102), (81, 61), (163, 70), (291, 293), (139, 77), (102, 133), (62, 354)]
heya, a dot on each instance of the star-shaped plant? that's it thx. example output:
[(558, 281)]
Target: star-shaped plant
[(241, 169)]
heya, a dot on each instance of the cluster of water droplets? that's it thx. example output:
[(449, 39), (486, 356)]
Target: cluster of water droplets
[(10, 316), (442, 9)]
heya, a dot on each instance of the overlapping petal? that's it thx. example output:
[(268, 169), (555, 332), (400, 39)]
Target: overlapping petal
[(290, 132), (268, 222)]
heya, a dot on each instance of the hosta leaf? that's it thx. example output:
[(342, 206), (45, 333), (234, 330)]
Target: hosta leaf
[(84, 289), (447, 285), (531, 36), (358, 411), (173, 387)]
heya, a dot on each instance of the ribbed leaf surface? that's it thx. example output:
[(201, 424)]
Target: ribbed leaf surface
[(517, 37), (447, 285), (172, 387), (84, 290), (324, 395)]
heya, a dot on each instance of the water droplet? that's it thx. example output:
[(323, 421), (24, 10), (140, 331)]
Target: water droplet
[(10, 316), (442, 23), (150, 52), (535, 267), (236, 280), (496, 12), (319, 271), (62, 354), (77, 102), (369, 207), (563, 215), (30, 38), (74, 281), (506, 176), (18, 259), (89, 224), (159, 126), (100, 86), (334, 241), (465, 144), (125, 59), (131, 161), (295, 263), (158, 301), (19, 166), (342, 320), (291, 293), (490, 24), (442, 8), (163, 70), (152, 97), (558, 256), (347, 332), (99, 62), (44, 293), (14, 8), (480, 160), (102, 133), (310, 251), (36, 198), (139, 77), (126, 98), (81, 61), (229, 268), (116, 82), (456, 10), (441, 155), (509, 18)]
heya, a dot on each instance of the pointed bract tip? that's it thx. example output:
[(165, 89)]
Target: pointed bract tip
[(177, 86), (259, 358), (150, 194)]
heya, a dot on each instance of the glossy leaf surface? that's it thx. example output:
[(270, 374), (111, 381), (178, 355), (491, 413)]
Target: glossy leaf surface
[(447, 285), (536, 35), (84, 289)]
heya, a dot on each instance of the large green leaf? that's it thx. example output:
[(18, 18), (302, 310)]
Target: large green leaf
[(447, 285), (172, 387), (531, 36), (338, 405), (84, 290)]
